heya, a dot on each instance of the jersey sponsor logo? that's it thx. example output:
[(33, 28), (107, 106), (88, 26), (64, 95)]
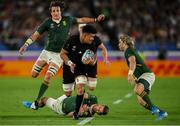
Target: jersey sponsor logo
[(52, 26), (73, 48), (64, 23)]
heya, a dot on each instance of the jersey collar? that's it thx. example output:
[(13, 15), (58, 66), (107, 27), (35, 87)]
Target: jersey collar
[(57, 21)]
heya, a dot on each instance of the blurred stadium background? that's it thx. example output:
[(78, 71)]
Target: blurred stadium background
[(155, 24)]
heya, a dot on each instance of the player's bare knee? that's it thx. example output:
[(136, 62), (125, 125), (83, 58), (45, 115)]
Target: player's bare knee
[(80, 82), (34, 74), (52, 70), (92, 88), (47, 77), (36, 70), (140, 102), (68, 88), (44, 99), (137, 91), (92, 82)]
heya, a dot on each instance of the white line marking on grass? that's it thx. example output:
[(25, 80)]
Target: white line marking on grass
[(128, 95), (121, 100), (117, 101), (85, 121)]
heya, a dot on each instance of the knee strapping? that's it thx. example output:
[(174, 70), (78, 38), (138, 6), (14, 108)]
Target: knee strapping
[(142, 94), (37, 68), (52, 70)]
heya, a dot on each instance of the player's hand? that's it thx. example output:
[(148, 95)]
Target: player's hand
[(91, 61), (107, 62), (23, 49), (71, 65), (100, 18), (130, 79)]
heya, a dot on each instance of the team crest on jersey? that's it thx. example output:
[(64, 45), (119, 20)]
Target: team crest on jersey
[(64, 23), (52, 25), (74, 48)]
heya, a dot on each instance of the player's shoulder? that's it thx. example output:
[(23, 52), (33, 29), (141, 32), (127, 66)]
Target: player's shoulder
[(96, 38), (130, 51), (74, 39), (97, 41), (47, 20)]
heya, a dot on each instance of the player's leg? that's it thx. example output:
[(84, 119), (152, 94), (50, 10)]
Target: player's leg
[(92, 82), (55, 104), (143, 103), (39, 64), (49, 102), (55, 62), (42, 101), (37, 68), (92, 77), (68, 80), (68, 89), (52, 70), (162, 113), (139, 89), (143, 87), (80, 80)]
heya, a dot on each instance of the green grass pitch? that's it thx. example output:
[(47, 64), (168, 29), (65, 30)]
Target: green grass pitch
[(165, 93)]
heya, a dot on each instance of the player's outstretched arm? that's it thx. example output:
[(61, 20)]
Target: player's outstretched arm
[(28, 42), (104, 53), (85, 20)]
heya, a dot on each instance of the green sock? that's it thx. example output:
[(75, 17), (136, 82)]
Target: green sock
[(146, 98), (42, 90)]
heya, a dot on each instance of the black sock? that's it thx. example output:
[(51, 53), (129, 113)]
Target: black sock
[(146, 98), (42, 90), (79, 99), (146, 106)]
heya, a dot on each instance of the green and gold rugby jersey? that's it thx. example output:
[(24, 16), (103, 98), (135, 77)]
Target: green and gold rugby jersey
[(70, 102), (58, 33), (140, 65)]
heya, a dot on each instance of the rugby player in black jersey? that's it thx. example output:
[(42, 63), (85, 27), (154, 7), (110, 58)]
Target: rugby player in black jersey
[(79, 69)]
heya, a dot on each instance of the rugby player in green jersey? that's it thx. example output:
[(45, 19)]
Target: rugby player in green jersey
[(139, 74), (57, 27), (65, 105)]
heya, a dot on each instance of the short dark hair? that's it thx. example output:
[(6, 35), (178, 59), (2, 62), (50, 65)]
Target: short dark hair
[(89, 29), (105, 110), (57, 3)]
